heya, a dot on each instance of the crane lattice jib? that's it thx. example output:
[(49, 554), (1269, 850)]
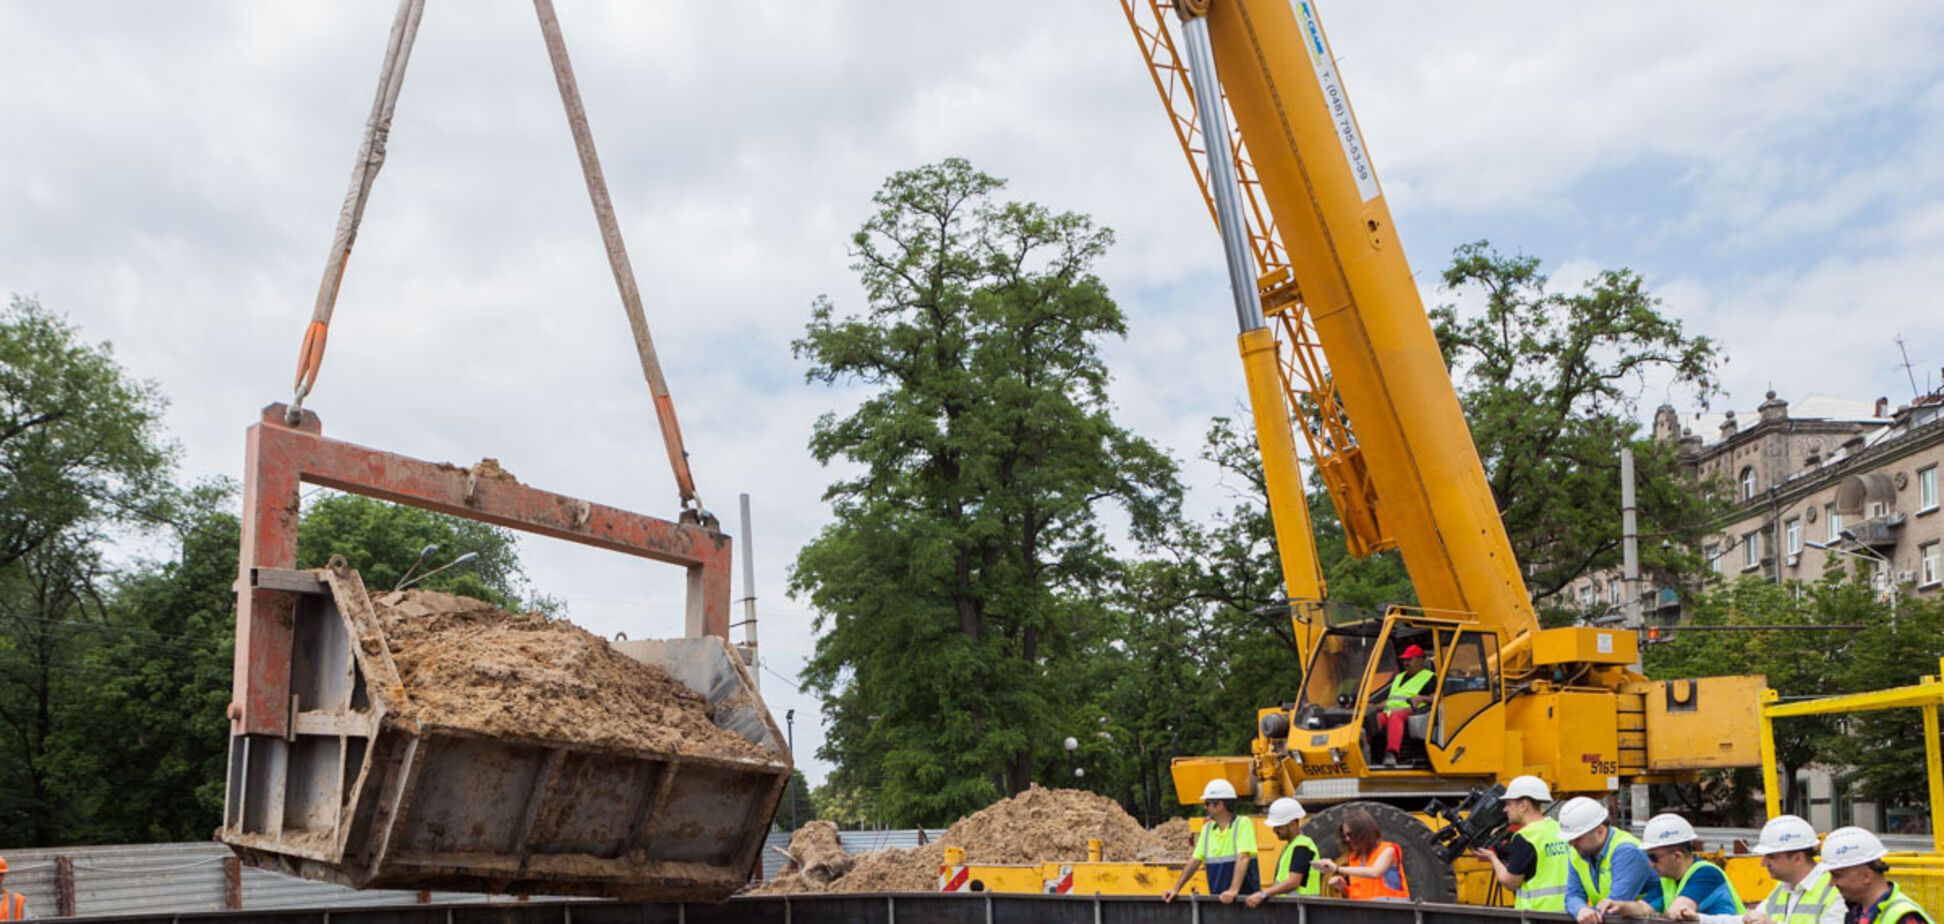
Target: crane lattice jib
[(1307, 386)]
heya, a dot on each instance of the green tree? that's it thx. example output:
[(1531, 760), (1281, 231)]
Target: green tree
[(967, 546), (81, 454), (383, 540), (80, 440), (152, 727), (1548, 380)]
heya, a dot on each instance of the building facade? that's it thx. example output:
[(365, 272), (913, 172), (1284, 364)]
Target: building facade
[(1846, 482)]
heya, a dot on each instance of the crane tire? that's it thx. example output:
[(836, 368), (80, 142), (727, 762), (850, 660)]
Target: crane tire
[(1427, 879)]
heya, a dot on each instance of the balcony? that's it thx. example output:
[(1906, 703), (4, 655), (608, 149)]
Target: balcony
[(1877, 532)]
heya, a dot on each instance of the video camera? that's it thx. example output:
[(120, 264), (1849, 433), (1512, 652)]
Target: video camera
[(1479, 821)]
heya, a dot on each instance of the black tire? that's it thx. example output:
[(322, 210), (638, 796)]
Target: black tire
[(1427, 879)]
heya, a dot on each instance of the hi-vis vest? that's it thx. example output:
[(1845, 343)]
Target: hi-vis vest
[(13, 906), (1596, 892), (1671, 889), (1545, 889), (1391, 884), (1313, 882), (1817, 893), (1896, 906), (1403, 688)]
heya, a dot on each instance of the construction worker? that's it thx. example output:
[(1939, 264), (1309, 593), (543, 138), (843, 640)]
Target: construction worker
[(1606, 862), (1532, 864), (13, 905), (1293, 866), (1407, 692), (1854, 858), (1371, 868), (1803, 892), (1689, 887), (1226, 847)]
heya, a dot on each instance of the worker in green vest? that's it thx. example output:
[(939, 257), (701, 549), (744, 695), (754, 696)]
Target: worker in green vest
[(1607, 862), (1293, 871), (1408, 691), (1854, 858), (1533, 863), (1690, 887), (1803, 893)]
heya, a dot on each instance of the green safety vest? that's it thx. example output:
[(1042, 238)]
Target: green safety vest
[(1596, 892), (1670, 889), (1545, 889), (1313, 882), (1897, 905), (1403, 688), (1222, 846), (1816, 896)]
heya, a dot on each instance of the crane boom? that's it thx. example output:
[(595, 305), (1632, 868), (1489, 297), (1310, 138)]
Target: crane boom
[(1334, 275)]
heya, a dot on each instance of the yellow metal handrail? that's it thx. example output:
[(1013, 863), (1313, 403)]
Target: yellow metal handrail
[(1926, 695)]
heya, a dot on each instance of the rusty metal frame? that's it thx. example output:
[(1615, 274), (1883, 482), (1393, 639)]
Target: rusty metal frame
[(278, 458)]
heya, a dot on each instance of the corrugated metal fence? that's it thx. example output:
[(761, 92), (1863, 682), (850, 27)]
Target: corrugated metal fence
[(177, 879)]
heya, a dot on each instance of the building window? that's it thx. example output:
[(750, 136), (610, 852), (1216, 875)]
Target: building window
[(1835, 521), (1928, 573), (1613, 591), (1586, 595), (1878, 510), (1748, 483), (1927, 489), (1751, 550), (1792, 536), (1713, 553)]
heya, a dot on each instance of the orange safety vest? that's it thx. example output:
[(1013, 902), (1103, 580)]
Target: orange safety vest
[(13, 906), (1389, 885)]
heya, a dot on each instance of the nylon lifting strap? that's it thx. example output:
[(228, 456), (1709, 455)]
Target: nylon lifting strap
[(371, 156)]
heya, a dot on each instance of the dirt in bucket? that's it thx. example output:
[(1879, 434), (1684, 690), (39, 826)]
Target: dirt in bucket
[(468, 664)]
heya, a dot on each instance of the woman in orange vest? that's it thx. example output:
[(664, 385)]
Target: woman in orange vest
[(13, 905), (1371, 868)]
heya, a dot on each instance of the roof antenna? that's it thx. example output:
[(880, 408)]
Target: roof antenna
[(1914, 393)]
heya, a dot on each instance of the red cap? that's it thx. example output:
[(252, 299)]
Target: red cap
[(1412, 651)]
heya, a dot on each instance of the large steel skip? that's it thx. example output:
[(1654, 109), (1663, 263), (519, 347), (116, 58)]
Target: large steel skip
[(330, 778), (363, 796)]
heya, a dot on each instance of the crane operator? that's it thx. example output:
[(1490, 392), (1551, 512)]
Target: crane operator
[(1407, 693)]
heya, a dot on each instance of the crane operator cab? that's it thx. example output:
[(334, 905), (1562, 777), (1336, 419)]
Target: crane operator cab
[(1422, 691)]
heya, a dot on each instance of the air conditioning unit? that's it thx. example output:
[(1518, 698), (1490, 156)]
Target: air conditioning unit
[(1795, 558), (1906, 577)]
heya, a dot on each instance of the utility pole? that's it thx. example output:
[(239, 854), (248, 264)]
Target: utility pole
[(1630, 581), (749, 599)]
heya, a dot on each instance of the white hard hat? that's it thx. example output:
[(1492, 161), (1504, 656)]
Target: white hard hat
[(1528, 787), (1667, 830), (1283, 811), (1784, 833), (1580, 815), (1847, 847), (1218, 789)]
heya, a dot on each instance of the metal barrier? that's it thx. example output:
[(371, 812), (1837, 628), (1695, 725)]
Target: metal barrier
[(901, 908)]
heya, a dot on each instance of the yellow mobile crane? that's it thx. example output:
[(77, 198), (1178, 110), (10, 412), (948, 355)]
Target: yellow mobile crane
[(1335, 338)]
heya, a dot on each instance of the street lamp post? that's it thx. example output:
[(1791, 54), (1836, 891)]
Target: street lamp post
[(789, 722), (1870, 555)]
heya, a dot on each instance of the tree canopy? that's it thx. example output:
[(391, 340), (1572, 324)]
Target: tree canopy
[(966, 554), (1550, 382)]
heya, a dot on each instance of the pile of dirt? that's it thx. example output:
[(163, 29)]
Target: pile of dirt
[(1036, 826), (1046, 826), (1173, 840), (817, 855), (468, 664)]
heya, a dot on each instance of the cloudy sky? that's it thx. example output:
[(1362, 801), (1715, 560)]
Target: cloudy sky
[(170, 176)]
